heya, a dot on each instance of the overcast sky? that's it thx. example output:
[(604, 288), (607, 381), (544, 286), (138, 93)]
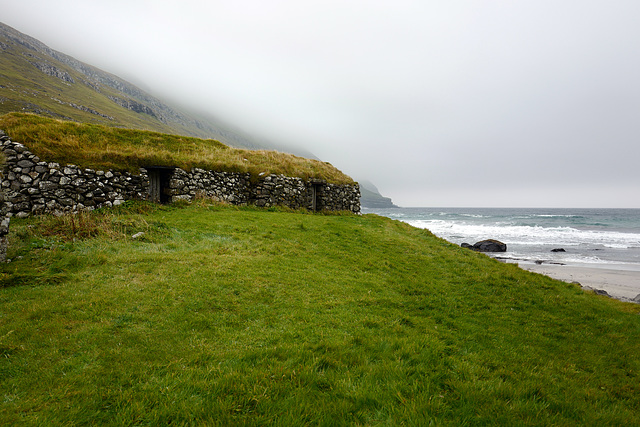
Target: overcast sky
[(513, 103)]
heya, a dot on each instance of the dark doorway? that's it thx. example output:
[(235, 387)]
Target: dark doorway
[(316, 191), (159, 178)]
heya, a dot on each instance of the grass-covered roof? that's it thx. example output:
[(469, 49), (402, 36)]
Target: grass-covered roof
[(103, 147)]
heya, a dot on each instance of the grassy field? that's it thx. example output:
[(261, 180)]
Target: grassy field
[(228, 315), (103, 147)]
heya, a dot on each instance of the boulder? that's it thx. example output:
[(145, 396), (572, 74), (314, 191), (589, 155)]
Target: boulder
[(558, 250), (489, 245), (601, 292)]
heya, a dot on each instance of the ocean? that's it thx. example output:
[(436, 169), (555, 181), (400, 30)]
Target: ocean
[(608, 238)]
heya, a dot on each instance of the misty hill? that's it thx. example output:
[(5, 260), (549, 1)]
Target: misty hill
[(37, 79), (371, 198)]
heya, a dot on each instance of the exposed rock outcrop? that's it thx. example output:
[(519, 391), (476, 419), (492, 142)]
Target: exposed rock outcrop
[(134, 106), (51, 70)]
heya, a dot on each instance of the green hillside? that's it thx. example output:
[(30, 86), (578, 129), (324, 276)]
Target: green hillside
[(240, 316), (37, 79)]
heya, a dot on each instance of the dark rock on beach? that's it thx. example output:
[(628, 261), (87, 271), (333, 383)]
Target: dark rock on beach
[(597, 291), (541, 261), (489, 245), (558, 250)]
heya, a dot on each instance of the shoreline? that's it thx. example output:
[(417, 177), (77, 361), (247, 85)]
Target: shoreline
[(619, 283)]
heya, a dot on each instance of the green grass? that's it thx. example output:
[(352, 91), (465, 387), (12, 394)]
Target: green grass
[(103, 147), (23, 86), (225, 315)]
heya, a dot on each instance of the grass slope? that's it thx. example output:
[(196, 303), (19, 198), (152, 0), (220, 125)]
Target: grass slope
[(73, 90), (227, 315), (103, 147), (23, 87)]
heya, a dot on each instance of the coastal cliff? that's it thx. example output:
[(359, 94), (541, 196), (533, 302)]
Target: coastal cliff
[(371, 197)]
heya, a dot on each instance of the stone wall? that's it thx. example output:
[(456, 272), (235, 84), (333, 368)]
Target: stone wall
[(267, 191), (34, 186), (339, 198), (221, 186)]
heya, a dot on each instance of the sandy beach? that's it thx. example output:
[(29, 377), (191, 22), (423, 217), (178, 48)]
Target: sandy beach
[(621, 283)]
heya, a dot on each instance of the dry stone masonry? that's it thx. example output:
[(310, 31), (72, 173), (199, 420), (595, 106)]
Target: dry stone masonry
[(31, 185), (269, 190)]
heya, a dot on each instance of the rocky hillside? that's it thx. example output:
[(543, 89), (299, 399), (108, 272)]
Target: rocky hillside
[(35, 78)]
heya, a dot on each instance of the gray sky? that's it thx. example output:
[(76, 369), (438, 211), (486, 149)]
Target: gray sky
[(513, 103)]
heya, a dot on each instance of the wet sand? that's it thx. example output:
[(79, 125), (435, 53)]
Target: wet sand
[(623, 284)]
